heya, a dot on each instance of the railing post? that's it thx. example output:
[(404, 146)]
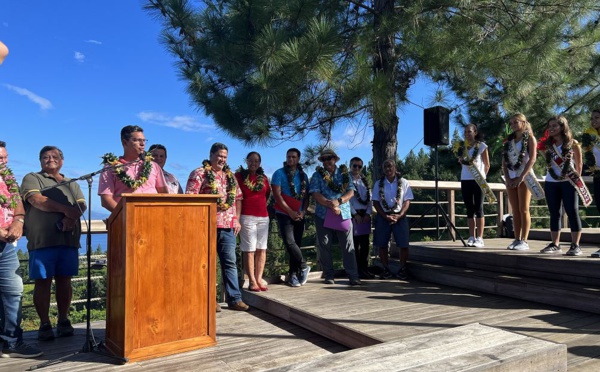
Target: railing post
[(500, 211), (451, 212)]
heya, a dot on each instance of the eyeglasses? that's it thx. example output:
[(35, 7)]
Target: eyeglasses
[(140, 140), (356, 166), (327, 158)]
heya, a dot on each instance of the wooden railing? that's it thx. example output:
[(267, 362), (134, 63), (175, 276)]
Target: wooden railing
[(494, 212), (450, 189)]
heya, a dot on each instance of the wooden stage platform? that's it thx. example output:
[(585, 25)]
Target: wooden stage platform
[(287, 326)]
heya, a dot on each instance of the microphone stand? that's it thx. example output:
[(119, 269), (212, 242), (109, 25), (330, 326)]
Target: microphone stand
[(90, 344)]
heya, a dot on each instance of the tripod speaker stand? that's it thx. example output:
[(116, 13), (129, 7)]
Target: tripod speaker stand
[(438, 209), (436, 129)]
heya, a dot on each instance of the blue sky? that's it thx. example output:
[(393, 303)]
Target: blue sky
[(78, 71)]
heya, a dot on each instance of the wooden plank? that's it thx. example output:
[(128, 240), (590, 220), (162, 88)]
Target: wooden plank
[(473, 347), (573, 297), (584, 270), (247, 340)]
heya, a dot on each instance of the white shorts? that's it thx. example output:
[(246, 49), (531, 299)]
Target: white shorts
[(254, 233)]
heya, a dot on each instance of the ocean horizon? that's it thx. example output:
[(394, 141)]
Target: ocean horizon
[(97, 240)]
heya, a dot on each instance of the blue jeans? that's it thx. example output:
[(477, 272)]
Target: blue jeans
[(226, 250), (564, 193), (11, 290), (324, 240)]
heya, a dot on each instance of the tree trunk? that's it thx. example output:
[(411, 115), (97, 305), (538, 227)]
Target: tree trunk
[(385, 144), (385, 116)]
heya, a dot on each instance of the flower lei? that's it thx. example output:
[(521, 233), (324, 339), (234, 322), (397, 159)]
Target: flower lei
[(231, 190), (332, 185), (522, 153), (567, 155), (290, 177), (357, 194), (461, 150), (12, 199), (260, 179), (382, 196), (591, 138), (111, 159)]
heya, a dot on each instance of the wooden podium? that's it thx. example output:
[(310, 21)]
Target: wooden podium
[(161, 275)]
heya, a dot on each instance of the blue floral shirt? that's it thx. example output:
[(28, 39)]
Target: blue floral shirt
[(318, 184), (280, 179)]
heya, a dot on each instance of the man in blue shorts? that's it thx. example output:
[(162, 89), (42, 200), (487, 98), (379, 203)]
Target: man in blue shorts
[(391, 199), (53, 229)]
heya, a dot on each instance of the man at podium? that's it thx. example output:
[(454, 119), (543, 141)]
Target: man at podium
[(134, 172), (215, 177)]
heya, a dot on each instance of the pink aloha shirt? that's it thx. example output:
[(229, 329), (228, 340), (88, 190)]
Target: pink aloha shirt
[(198, 184), (110, 184)]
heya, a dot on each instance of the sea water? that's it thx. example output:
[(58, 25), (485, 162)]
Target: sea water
[(97, 240)]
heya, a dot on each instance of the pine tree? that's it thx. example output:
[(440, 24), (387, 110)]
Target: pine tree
[(272, 70)]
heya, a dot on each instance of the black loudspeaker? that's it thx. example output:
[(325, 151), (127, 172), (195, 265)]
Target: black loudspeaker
[(436, 126)]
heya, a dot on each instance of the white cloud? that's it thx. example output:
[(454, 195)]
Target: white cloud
[(44, 103), (79, 57), (92, 41), (182, 122), (351, 138)]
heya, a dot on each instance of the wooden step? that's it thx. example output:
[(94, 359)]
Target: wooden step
[(581, 270), (473, 347), (546, 291), (324, 327)]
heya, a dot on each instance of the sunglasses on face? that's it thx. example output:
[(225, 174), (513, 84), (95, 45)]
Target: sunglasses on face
[(357, 166), (327, 158)]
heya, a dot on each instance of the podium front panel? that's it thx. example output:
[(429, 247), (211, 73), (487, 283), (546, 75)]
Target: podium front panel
[(162, 268)]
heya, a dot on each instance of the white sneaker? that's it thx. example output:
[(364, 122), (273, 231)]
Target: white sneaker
[(522, 245), (478, 243), (596, 254), (512, 245), (471, 241)]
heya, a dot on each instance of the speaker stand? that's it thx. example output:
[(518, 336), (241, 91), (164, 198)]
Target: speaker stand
[(438, 209)]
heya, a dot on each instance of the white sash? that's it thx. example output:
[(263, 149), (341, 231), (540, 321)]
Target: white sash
[(537, 192)]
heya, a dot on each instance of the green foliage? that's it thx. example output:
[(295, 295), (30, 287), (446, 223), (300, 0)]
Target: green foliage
[(272, 70)]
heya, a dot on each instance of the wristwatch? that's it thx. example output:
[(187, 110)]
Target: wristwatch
[(340, 201)]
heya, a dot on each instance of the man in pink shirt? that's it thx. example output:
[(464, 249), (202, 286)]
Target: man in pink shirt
[(113, 184), (215, 177)]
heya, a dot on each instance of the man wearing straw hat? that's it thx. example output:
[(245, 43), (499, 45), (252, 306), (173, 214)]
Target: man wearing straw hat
[(332, 189)]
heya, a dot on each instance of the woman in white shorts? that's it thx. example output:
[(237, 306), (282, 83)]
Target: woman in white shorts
[(254, 220)]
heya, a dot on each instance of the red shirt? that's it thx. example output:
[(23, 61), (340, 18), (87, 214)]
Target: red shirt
[(254, 202)]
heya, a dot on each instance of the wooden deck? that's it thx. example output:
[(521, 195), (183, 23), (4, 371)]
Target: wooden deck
[(391, 310), (277, 332), (252, 341)]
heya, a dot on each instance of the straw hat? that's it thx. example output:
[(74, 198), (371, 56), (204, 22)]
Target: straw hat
[(326, 153)]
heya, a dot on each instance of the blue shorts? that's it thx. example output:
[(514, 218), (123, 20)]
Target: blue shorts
[(384, 231), (45, 263)]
